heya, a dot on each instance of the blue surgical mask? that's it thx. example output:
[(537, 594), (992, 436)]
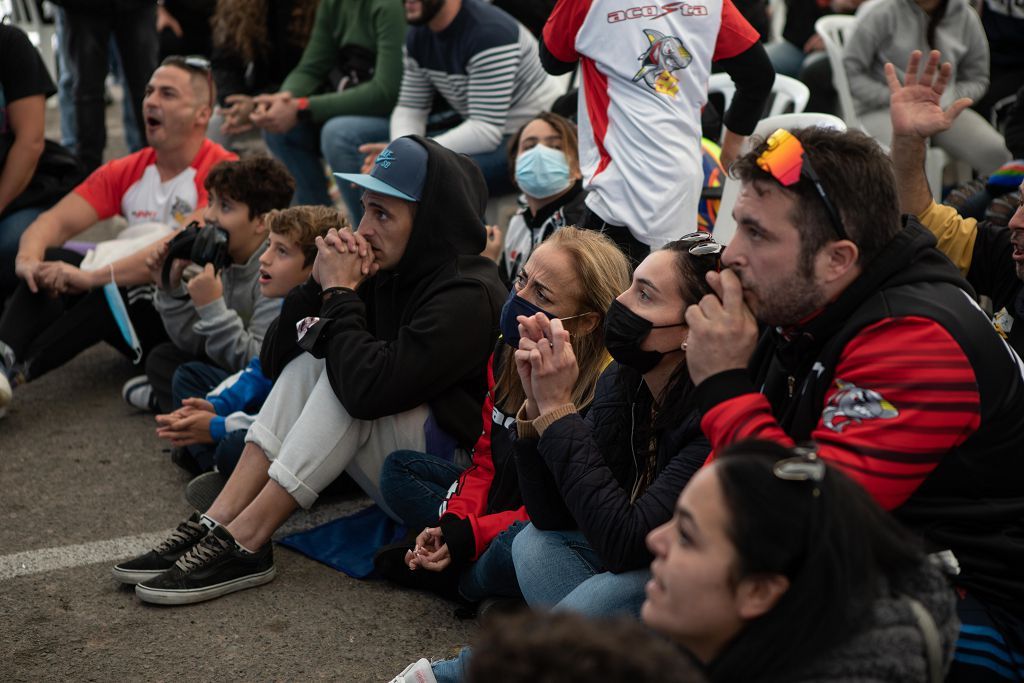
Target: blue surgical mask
[(514, 307), (120, 313), (542, 172)]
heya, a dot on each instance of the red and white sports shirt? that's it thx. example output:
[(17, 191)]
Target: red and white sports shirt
[(645, 71), (131, 186)]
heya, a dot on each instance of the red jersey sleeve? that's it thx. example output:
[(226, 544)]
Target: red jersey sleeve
[(105, 187), (563, 26), (904, 394), (735, 35)]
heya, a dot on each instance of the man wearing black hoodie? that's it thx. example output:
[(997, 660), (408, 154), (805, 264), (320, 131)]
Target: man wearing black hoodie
[(383, 349), (875, 350)]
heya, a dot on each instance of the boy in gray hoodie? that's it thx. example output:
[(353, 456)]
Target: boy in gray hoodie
[(216, 317)]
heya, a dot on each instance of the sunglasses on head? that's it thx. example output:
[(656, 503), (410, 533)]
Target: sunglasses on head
[(195, 63), (703, 246), (785, 159), (804, 465)]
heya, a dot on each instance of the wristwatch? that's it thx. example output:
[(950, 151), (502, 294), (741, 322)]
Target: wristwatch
[(303, 113)]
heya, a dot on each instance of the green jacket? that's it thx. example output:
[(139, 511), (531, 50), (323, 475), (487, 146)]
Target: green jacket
[(377, 25)]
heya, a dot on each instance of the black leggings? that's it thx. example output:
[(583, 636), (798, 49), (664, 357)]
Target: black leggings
[(45, 332)]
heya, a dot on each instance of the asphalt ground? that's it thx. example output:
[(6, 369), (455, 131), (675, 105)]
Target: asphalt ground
[(84, 482)]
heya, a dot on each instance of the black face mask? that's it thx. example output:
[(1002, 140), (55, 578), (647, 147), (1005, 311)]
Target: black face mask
[(624, 332)]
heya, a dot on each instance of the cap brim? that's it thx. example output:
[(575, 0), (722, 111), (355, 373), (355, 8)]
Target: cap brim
[(368, 182)]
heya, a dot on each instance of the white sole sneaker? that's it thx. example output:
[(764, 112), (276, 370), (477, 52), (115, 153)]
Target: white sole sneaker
[(187, 596), (134, 576), (138, 392), (417, 672), (5, 390)]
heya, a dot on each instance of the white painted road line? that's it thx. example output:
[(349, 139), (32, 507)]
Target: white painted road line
[(45, 560)]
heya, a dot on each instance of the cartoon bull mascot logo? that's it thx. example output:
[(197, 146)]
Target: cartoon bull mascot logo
[(664, 55), (853, 405)]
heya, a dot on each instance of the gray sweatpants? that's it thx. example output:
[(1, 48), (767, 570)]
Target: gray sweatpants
[(310, 438), (970, 139)]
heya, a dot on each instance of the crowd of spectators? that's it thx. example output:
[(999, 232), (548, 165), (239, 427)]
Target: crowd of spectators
[(791, 453)]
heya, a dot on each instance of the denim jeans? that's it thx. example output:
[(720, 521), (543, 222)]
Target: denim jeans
[(11, 228), (414, 485), (560, 570), (452, 670), (338, 142), (194, 380)]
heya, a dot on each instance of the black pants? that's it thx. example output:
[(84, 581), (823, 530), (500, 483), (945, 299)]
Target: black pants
[(635, 250), (161, 364), (46, 332), (87, 33)]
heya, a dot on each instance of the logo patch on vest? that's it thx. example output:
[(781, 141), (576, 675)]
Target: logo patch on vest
[(853, 405)]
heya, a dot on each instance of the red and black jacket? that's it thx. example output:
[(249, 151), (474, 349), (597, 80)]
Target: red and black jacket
[(906, 387), (485, 500)]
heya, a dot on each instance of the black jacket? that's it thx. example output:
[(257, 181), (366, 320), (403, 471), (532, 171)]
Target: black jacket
[(421, 333), (972, 502), (581, 472)]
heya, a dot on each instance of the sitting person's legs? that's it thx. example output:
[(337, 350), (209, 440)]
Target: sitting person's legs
[(340, 140), (298, 150), (415, 484), (493, 575), (494, 165), (551, 564)]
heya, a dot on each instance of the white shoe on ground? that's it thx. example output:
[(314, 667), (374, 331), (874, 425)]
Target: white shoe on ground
[(417, 672)]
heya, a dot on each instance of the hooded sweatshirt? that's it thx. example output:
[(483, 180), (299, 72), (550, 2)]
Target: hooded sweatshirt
[(889, 30), (905, 386), (421, 333)]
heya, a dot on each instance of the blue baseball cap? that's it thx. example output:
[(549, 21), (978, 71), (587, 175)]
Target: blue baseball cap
[(399, 171)]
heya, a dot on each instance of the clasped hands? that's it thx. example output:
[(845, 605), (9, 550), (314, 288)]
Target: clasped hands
[(431, 552), (188, 425), (343, 259), (546, 364)]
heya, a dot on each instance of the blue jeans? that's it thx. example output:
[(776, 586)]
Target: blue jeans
[(195, 380), (337, 141), (414, 485), (559, 569), (452, 670), (11, 228)]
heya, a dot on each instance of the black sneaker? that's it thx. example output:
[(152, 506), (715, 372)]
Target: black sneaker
[(216, 566), (160, 559), (204, 489)]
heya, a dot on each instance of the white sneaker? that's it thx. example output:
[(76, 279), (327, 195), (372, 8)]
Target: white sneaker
[(417, 672), (5, 390), (138, 392)]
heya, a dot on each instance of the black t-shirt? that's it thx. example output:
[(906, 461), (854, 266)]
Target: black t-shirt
[(22, 72)]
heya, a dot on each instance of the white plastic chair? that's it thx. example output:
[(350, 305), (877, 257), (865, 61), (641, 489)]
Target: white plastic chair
[(834, 30), (786, 92), (725, 226)]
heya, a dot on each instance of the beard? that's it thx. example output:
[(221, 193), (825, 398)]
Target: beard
[(785, 302), (429, 10)]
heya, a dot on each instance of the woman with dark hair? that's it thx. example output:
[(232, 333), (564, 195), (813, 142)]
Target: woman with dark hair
[(776, 567), (544, 163), (256, 43), (595, 487)]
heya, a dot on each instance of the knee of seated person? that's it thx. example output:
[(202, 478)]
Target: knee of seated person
[(529, 543), (186, 382)]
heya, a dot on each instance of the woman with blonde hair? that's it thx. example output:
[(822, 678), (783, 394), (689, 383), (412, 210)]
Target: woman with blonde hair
[(469, 518)]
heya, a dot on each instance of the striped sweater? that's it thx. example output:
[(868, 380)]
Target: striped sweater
[(485, 64)]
